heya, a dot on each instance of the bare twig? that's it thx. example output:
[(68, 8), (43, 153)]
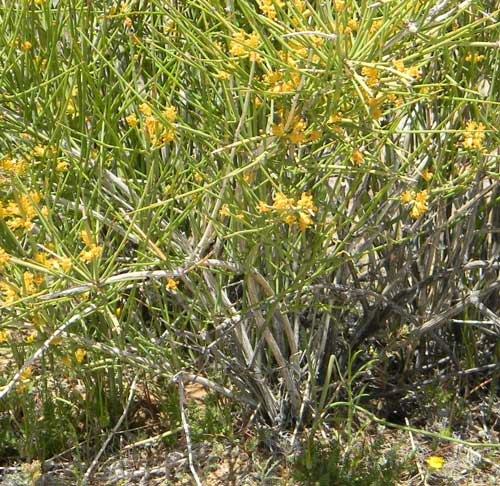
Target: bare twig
[(179, 379)]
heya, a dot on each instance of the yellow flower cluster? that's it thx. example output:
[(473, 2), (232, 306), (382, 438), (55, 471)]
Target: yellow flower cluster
[(4, 257), (296, 131), (412, 71), (9, 293), (339, 5), (222, 75), (27, 373), (63, 263), (71, 106), (243, 45), (268, 7), (427, 175), (375, 26), (171, 284), (29, 338), (371, 74), (474, 136), (157, 131), (24, 380), (296, 52), (29, 283), (291, 211), (132, 120), (224, 210), (93, 249), (357, 157), (40, 151), (80, 355), (473, 58), (4, 335), (281, 83), (11, 166), (21, 212), (418, 202), (287, 78), (374, 105), (435, 462), (352, 26)]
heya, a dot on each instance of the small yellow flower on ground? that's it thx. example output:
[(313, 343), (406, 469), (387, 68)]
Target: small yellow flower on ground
[(291, 211), (171, 284), (86, 238), (353, 24), (8, 293), (278, 129), (236, 46), (435, 462), (94, 250), (268, 7)]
